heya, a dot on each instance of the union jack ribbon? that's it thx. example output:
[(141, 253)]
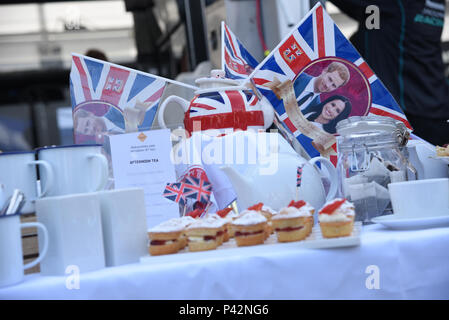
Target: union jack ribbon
[(175, 192), (299, 176), (315, 37), (198, 189), (224, 110), (236, 61)]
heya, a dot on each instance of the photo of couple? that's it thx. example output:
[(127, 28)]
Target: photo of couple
[(329, 90)]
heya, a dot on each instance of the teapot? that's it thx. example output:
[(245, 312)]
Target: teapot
[(278, 187), (220, 106)]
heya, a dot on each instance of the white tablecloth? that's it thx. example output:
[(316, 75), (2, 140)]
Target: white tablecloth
[(410, 264)]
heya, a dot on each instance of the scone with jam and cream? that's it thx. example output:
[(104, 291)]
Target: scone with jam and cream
[(336, 218)]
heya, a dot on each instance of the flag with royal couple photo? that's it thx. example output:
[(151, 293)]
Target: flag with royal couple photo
[(315, 78)]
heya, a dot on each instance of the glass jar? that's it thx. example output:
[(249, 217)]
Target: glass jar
[(369, 158)]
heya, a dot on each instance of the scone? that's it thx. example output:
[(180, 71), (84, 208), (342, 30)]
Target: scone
[(165, 238), (250, 228), (294, 222), (229, 217), (442, 151), (203, 234), (336, 218)]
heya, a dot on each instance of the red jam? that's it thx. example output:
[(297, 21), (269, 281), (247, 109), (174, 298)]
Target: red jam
[(242, 234), (223, 213), (256, 207), (289, 229), (330, 208), (297, 204), (159, 242)]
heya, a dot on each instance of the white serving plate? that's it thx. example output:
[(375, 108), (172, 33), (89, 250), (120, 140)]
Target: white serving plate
[(230, 249), (404, 223)]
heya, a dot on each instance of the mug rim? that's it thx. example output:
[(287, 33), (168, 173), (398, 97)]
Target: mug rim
[(37, 150), (15, 152), (417, 182)]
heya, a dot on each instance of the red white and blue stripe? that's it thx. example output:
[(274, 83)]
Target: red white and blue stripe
[(237, 62), (175, 192), (224, 110), (317, 36), (197, 188)]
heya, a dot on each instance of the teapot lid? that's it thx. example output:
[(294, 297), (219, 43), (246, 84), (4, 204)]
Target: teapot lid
[(217, 79)]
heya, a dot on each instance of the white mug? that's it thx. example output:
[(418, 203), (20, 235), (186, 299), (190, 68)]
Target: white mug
[(74, 231), (18, 171), (124, 223), (76, 169), (11, 256), (420, 198)]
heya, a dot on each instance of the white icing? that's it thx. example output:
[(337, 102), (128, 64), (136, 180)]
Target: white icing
[(293, 212), (249, 217)]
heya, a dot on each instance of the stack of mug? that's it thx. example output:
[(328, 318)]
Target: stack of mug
[(79, 223)]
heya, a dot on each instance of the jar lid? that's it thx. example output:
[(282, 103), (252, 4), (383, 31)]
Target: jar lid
[(373, 125)]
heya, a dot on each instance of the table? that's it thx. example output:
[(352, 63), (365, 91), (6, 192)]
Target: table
[(411, 264)]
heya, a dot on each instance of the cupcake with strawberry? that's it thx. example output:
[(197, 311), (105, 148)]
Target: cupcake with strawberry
[(294, 222), (336, 218)]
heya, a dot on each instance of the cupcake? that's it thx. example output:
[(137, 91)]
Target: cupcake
[(229, 215), (250, 228), (268, 213), (204, 234), (184, 222), (294, 223), (336, 218), (222, 235), (165, 238)]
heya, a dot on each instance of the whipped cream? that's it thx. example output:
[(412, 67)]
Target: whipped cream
[(249, 217), (342, 213), (293, 212), (269, 209), (208, 222), (168, 226)]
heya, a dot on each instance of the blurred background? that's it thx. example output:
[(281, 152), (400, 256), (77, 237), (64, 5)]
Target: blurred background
[(177, 39)]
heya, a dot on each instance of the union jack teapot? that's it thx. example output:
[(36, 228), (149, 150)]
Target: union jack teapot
[(221, 106)]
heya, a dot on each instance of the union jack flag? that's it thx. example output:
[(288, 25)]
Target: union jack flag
[(198, 189), (299, 176), (315, 37), (223, 110), (175, 192), (99, 87), (236, 61)]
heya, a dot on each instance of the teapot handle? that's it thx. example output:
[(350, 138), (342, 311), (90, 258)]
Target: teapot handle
[(180, 101), (332, 176)]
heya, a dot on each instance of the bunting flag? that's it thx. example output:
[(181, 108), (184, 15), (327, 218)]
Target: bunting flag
[(236, 61), (331, 81)]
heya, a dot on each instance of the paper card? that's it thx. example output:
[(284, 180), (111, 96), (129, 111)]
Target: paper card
[(142, 159)]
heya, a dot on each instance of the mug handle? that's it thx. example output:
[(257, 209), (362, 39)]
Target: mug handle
[(104, 170), (180, 101), (45, 246), (50, 176), (332, 175)]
